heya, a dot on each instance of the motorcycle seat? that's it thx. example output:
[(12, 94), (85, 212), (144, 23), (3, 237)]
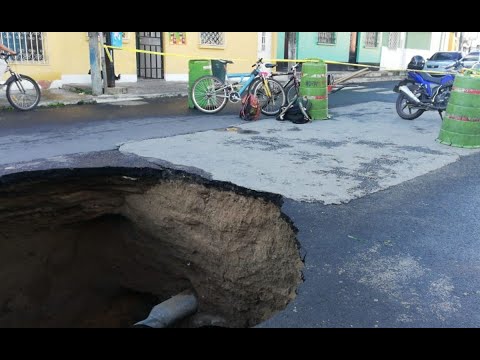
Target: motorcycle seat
[(432, 79)]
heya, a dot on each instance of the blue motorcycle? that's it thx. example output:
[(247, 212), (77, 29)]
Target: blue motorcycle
[(421, 92)]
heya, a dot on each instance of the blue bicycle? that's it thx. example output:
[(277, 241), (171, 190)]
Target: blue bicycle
[(210, 94)]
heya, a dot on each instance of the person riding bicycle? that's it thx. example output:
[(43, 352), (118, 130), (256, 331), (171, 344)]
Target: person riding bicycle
[(3, 64), (7, 49)]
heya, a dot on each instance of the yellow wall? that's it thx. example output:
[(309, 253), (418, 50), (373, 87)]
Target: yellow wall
[(238, 45), (68, 54)]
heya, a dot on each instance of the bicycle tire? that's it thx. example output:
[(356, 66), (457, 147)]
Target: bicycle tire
[(17, 96), (292, 92), (204, 94), (279, 97), (253, 84)]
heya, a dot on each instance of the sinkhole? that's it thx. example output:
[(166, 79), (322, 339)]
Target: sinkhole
[(100, 247)]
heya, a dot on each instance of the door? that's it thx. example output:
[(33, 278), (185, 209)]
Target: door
[(264, 45), (352, 58), (150, 66), (290, 47)]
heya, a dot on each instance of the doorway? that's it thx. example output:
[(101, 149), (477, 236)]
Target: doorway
[(352, 58), (150, 66), (290, 49), (264, 45)]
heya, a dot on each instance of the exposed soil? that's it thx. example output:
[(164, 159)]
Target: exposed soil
[(100, 247)]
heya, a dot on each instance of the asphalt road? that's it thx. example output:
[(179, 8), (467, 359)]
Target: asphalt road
[(407, 256)]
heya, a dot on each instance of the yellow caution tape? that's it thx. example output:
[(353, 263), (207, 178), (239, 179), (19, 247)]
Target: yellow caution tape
[(270, 60), (170, 54)]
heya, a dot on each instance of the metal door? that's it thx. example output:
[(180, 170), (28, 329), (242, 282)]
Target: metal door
[(150, 66)]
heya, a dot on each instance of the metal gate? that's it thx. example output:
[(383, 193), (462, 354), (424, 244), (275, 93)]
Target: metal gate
[(149, 66)]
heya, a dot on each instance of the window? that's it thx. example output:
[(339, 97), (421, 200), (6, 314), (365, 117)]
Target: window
[(327, 38), (212, 39), (371, 39), (394, 40), (264, 40), (30, 46)]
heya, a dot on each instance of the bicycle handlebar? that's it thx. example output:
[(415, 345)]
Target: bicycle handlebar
[(5, 55), (258, 62)]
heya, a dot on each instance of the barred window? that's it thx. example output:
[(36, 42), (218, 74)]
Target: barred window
[(371, 39), (30, 46), (212, 38), (394, 40), (327, 38), (264, 41)]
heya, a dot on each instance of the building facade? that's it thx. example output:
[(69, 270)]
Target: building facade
[(56, 58), (390, 50)]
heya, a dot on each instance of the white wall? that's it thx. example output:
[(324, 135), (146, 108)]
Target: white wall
[(398, 59)]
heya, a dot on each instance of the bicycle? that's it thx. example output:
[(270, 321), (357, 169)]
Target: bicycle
[(292, 86), (210, 94), (23, 93)]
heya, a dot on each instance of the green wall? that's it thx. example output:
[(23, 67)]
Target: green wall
[(418, 40), (368, 55), (307, 47)]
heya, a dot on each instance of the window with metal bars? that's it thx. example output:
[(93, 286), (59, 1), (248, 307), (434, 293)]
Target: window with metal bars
[(371, 39), (394, 40), (264, 40), (327, 38), (30, 46), (212, 38)]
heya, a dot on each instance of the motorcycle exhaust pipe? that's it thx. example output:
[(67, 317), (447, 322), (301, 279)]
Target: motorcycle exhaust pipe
[(409, 94)]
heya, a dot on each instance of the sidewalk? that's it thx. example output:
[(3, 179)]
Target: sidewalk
[(78, 94)]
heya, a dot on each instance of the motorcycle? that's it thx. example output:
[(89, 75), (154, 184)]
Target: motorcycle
[(421, 92)]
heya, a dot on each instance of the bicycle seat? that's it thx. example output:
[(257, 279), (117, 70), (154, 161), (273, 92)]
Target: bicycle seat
[(270, 66), (226, 61)]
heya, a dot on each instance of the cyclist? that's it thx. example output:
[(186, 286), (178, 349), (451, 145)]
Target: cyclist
[(3, 64), (8, 50)]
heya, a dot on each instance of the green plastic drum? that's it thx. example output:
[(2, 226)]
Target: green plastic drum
[(196, 69), (314, 87), (461, 124)]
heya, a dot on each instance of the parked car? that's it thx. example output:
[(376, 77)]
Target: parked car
[(470, 59), (440, 60)]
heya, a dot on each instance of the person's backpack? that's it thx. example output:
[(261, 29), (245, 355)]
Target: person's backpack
[(293, 111), (250, 108)]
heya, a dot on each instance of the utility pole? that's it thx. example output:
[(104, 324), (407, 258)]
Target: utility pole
[(104, 66), (460, 42), (110, 67), (95, 67)]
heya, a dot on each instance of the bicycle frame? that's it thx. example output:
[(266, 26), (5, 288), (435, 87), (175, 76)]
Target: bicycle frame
[(251, 76), (255, 74)]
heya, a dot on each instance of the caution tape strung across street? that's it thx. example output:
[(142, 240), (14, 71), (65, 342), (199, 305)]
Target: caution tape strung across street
[(271, 60)]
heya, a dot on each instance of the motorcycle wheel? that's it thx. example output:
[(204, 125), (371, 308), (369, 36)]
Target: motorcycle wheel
[(405, 111)]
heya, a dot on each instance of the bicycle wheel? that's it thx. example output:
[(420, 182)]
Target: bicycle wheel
[(23, 93), (292, 92), (270, 103), (209, 94), (253, 85)]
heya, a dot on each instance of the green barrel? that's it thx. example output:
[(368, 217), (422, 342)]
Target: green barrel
[(314, 86), (196, 69), (461, 124)]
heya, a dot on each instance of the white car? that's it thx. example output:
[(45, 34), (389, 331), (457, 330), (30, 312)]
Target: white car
[(442, 59)]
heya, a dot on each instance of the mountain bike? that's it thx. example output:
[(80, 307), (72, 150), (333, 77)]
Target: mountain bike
[(210, 94), (292, 86), (23, 93)]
